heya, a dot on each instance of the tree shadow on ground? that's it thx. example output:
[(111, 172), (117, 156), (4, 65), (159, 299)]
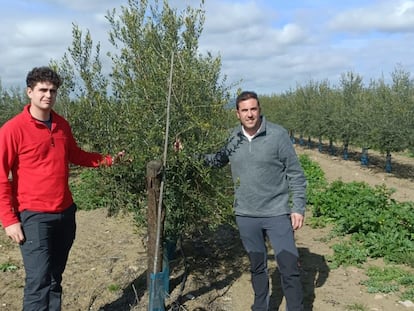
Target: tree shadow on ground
[(215, 261), (213, 258), (376, 160), (131, 295), (314, 273)]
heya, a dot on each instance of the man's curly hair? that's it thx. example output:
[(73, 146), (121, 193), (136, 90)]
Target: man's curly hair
[(43, 74)]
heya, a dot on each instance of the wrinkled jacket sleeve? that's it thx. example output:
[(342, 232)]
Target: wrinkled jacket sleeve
[(8, 214), (222, 157), (218, 159), (295, 175)]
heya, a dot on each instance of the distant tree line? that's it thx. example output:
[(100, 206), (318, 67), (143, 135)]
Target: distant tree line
[(378, 116)]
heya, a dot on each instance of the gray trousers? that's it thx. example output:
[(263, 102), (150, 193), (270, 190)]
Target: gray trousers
[(253, 231), (49, 238)]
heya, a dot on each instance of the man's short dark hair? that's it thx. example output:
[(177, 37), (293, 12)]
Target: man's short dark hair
[(43, 74), (246, 95)]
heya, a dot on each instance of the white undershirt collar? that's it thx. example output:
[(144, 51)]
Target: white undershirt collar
[(248, 136)]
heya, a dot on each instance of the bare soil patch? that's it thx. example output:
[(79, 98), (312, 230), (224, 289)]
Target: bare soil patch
[(107, 265)]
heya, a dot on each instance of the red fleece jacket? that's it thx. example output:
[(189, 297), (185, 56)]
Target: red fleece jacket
[(38, 160)]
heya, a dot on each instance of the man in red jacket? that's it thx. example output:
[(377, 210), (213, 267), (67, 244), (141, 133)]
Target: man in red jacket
[(36, 206)]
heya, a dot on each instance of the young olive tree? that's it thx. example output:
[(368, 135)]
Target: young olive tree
[(349, 121), (127, 110), (281, 109), (148, 38), (392, 110), (323, 110)]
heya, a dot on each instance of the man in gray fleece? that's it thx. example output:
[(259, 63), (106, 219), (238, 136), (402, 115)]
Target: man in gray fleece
[(267, 176)]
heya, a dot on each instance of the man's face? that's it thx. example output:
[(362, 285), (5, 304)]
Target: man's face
[(249, 115), (42, 95)]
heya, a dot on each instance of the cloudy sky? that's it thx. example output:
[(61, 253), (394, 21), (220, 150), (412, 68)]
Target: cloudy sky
[(268, 45)]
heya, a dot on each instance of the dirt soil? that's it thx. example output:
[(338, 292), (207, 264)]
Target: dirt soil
[(107, 265)]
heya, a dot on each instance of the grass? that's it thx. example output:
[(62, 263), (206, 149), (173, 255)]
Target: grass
[(356, 307), (390, 279), (114, 287), (8, 267)]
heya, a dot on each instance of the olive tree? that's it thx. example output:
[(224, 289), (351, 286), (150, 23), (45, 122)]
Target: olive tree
[(127, 110)]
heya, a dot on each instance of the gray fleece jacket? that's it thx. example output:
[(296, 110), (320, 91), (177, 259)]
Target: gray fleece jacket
[(265, 171)]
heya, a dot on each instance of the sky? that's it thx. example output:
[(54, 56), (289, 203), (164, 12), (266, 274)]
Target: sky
[(267, 46)]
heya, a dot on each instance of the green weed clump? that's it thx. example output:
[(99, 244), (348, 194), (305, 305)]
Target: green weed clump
[(370, 224), (390, 279), (315, 178), (356, 307), (114, 287), (377, 225), (8, 267)]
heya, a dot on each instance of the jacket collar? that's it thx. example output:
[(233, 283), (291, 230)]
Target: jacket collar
[(28, 116)]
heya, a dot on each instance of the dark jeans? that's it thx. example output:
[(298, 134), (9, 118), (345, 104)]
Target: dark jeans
[(45, 251), (253, 231)]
